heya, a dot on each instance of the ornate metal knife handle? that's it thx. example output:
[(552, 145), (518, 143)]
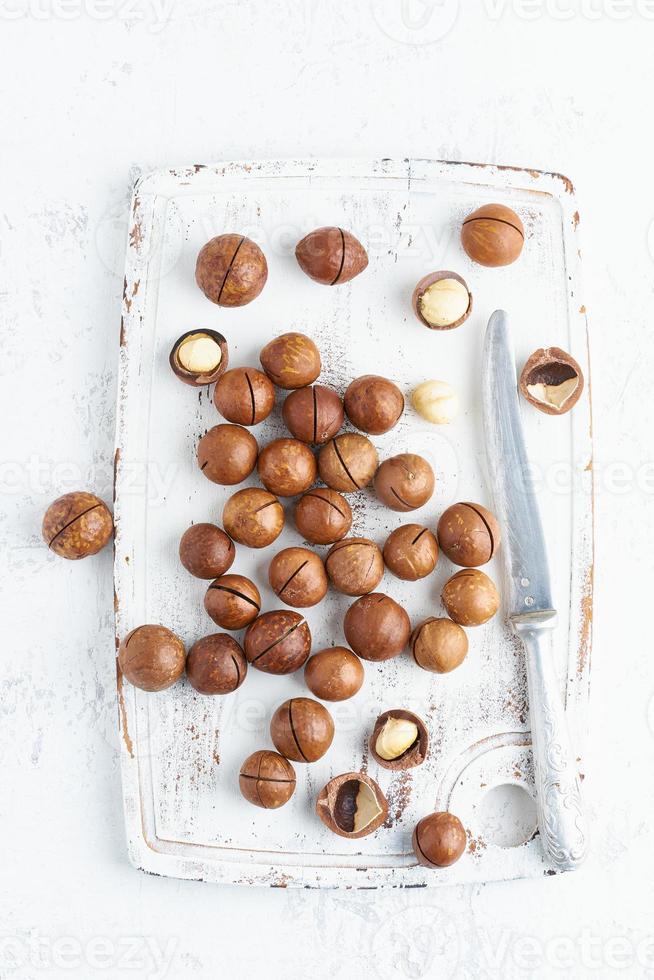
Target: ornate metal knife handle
[(561, 818)]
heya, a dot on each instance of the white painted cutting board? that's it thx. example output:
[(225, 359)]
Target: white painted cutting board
[(181, 751)]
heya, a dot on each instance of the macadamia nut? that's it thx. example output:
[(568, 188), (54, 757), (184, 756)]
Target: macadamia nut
[(436, 401)]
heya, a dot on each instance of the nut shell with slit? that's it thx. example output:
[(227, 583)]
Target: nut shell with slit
[(77, 525), (231, 270), (352, 805), (216, 664), (552, 381), (278, 642), (152, 657), (267, 779), (291, 360), (411, 552), (297, 576), (404, 482), (302, 730), (232, 601), (439, 840), (287, 467), (244, 395), (377, 627), (493, 235), (355, 566), (206, 551), (253, 517), (348, 462), (313, 414), (373, 404), (468, 534), (323, 516), (227, 454), (331, 256)]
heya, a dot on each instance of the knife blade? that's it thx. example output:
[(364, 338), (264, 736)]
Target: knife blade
[(528, 599)]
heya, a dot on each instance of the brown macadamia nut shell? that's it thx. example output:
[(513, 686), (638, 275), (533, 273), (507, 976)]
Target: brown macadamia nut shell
[(334, 674), (439, 840), (355, 566), (231, 270), (348, 462), (551, 368), (216, 664), (291, 360), (232, 601), (373, 404), (411, 552), (152, 658), (287, 467), (302, 730), (439, 645), (323, 516), (468, 534), (278, 642), (313, 414), (253, 517), (336, 813), (245, 396), (470, 597), (493, 235), (267, 779), (77, 525), (404, 482), (206, 551), (297, 576), (415, 755), (227, 454), (331, 256), (376, 627)]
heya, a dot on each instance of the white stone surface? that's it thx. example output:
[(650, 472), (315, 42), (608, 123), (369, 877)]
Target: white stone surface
[(94, 93)]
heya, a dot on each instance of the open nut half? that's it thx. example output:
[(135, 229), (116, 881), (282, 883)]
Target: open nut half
[(399, 740), (352, 805), (552, 381)]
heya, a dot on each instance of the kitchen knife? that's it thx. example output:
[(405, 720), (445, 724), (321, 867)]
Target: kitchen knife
[(528, 600)]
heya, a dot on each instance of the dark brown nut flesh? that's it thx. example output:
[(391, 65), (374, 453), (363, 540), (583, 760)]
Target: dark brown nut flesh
[(227, 454), (373, 404), (216, 664), (291, 360), (552, 381), (244, 395), (399, 740), (442, 301), (411, 552), (199, 357), (267, 779), (404, 482), (253, 517), (231, 270), (468, 534), (470, 597), (331, 256), (439, 645), (334, 674), (348, 462), (439, 840), (152, 658), (323, 516), (77, 525), (232, 601), (352, 805), (302, 730), (206, 551), (298, 577), (287, 467), (355, 566), (376, 627), (313, 414), (493, 235), (278, 642)]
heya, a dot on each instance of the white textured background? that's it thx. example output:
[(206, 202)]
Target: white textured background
[(95, 91)]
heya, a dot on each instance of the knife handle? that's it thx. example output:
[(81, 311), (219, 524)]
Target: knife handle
[(561, 818)]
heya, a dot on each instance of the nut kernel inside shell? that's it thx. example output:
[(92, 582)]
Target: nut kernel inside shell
[(356, 806), (199, 353), (396, 737), (444, 302)]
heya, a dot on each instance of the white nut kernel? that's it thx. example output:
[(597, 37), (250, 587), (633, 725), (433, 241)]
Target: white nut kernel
[(367, 808), (436, 401), (199, 354), (397, 735), (444, 302)]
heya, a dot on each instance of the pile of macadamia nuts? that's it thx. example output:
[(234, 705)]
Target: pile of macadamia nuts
[(320, 464)]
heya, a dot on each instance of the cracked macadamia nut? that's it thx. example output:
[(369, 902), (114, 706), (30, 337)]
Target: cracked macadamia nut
[(373, 404), (470, 597), (552, 381), (352, 805), (206, 551), (216, 664), (77, 525), (436, 402), (493, 235), (334, 674), (297, 576), (278, 642), (442, 301), (411, 552), (302, 729), (468, 534), (399, 740), (376, 627), (439, 645), (267, 779), (439, 840), (313, 414), (199, 357), (152, 658), (232, 601), (227, 454), (331, 256), (348, 462), (404, 482), (291, 360), (323, 516), (253, 517), (231, 270), (287, 467), (244, 395), (355, 566)]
